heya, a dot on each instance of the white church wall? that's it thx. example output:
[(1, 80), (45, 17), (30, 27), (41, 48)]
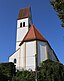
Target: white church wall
[(51, 54), (21, 32), (23, 56), (30, 55), (16, 56), (17, 45), (42, 52)]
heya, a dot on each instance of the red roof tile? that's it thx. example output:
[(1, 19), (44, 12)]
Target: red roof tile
[(33, 34), (24, 13)]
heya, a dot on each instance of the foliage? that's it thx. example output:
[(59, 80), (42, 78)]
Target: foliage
[(58, 5), (49, 71), (25, 76), (7, 70)]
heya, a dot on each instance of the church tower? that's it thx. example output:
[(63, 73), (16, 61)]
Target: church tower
[(23, 24)]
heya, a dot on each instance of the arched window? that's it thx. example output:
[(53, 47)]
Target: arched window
[(15, 60), (20, 24), (23, 24)]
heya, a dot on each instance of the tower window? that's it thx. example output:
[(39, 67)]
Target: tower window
[(23, 24), (20, 24), (15, 60)]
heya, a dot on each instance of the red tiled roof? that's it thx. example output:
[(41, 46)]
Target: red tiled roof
[(24, 12), (33, 34)]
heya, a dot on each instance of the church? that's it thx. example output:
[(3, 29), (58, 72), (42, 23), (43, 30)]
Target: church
[(31, 47)]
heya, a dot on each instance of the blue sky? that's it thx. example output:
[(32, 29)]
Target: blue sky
[(44, 18)]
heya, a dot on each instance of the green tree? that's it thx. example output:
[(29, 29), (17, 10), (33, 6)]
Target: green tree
[(51, 71), (7, 71), (25, 76), (58, 5), (48, 71)]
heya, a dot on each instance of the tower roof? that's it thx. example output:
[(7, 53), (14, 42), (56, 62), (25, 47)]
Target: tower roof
[(33, 34), (24, 13)]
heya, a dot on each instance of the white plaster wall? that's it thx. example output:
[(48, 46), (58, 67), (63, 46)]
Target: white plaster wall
[(30, 55), (22, 20), (16, 56), (17, 45), (42, 52), (21, 32), (23, 56), (51, 54)]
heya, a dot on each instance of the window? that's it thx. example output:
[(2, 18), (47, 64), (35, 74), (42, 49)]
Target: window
[(23, 24), (15, 60), (20, 24)]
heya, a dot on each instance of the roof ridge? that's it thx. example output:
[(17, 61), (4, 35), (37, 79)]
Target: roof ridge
[(38, 32)]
